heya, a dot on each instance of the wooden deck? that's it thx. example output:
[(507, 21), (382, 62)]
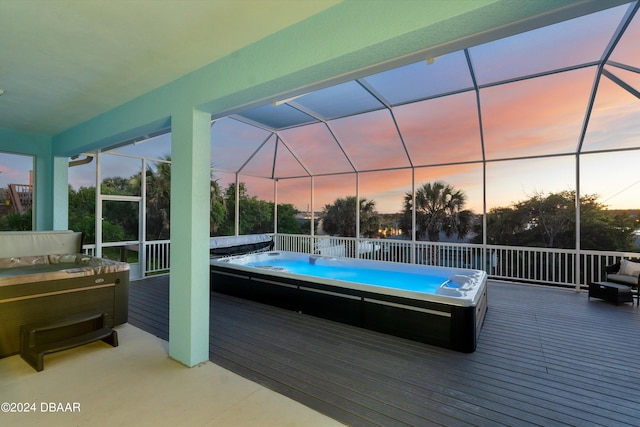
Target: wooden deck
[(546, 356)]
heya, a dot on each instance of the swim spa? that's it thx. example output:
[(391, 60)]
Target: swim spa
[(435, 305)]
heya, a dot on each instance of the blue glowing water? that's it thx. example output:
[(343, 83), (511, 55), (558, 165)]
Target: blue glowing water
[(350, 273)]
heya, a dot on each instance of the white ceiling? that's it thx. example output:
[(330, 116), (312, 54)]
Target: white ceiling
[(63, 62)]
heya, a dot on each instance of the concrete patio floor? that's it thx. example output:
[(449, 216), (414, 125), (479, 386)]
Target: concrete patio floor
[(137, 383)]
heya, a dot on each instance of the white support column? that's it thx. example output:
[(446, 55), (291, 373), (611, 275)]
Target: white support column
[(189, 279), (487, 260), (142, 233), (236, 225), (275, 206), (312, 232), (577, 202), (413, 215), (98, 223), (357, 248)]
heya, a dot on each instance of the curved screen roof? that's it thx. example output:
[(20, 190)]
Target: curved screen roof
[(551, 91)]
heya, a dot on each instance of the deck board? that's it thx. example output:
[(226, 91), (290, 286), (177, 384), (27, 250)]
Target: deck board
[(546, 356)]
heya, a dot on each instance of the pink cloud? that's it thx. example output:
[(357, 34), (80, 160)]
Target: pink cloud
[(442, 130), (533, 117), (14, 169), (316, 149), (371, 140), (614, 119), (536, 117)]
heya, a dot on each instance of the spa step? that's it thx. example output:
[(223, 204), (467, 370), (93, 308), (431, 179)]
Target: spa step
[(63, 334)]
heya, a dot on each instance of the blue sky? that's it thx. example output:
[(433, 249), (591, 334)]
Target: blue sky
[(14, 169)]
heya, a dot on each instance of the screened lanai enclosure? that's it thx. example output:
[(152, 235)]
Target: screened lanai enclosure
[(551, 110)]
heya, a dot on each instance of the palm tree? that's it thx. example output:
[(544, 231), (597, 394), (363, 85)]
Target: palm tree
[(439, 208), (339, 218), (218, 207), (159, 199)]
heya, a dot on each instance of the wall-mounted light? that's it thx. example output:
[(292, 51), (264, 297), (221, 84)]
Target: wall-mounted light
[(75, 162), (1, 92)]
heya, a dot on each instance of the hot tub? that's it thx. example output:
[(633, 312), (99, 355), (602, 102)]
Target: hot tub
[(42, 288), (435, 305)]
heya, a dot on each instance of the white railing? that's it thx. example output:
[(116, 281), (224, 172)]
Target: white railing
[(513, 263), (521, 264), (89, 249), (540, 265), (157, 257)]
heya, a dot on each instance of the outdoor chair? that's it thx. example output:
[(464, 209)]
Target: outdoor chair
[(625, 272)]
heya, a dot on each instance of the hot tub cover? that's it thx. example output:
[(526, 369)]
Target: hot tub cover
[(234, 245), (16, 270)]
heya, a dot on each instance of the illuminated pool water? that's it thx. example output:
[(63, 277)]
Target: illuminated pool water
[(353, 273)]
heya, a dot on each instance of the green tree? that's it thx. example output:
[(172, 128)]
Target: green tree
[(218, 208), (82, 217), (601, 229), (256, 216), (439, 208), (16, 221), (159, 200), (287, 222), (227, 227), (339, 218), (503, 225), (549, 221), (121, 186), (82, 212), (120, 221)]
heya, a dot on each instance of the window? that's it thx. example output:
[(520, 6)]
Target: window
[(16, 192)]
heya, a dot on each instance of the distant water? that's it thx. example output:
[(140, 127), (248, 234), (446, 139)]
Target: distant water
[(390, 279)]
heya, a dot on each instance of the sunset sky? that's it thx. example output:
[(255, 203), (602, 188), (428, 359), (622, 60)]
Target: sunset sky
[(540, 117)]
